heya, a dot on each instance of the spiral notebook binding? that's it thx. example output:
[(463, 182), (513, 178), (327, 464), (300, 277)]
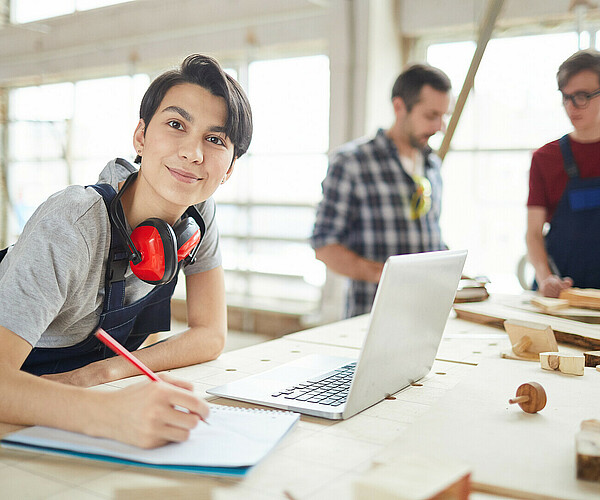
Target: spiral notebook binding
[(242, 409)]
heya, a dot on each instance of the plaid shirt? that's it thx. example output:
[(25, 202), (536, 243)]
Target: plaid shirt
[(366, 208)]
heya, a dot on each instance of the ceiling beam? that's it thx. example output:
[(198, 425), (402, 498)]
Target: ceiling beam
[(146, 34), (485, 33)]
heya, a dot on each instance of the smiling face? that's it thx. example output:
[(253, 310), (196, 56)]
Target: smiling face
[(185, 152)]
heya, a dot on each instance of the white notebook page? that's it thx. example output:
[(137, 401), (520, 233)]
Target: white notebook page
[(236, 437)]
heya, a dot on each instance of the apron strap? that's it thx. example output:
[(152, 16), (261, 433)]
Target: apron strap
[(568, 159), (118, 258)]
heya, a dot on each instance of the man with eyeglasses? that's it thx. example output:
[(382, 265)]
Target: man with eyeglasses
[(564, 187), (382, 196)]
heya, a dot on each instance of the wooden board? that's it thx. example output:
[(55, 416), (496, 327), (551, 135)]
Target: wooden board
[(573, 313), (493, 313), (582, 297), (524, 303), (510, 452)]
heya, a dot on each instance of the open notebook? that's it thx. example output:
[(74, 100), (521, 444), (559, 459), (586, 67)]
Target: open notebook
[(235, 440)]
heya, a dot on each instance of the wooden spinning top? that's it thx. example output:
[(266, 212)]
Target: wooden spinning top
[(531, 397)]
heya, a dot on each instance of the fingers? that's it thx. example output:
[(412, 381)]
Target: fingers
[(150, 414), (553, 285), (177, 410), (184, 384), (550, 287), (187, 400), (176, 434)]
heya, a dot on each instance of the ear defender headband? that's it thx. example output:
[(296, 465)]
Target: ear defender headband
[(156, 248)]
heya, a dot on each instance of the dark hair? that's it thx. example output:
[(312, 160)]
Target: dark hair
[(206, 72), (410, 82), (578, 62)]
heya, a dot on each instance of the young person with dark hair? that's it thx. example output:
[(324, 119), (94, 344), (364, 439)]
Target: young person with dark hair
[(564, 187), (382, 196), (79, 266)]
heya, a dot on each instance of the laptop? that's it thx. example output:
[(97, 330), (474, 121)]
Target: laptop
[(409, 313)]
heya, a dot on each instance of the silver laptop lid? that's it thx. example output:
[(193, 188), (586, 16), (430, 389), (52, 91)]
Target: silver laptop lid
[(409, 313), (407, 320)]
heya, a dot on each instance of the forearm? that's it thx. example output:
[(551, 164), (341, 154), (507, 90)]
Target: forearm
[(550, 284), (348, 263), (31, 400), (203, 341), (193, 346), (536, 251), (144, 414)]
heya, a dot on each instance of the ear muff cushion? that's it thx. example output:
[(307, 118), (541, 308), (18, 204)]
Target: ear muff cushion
[(188, 236), (156, 242)]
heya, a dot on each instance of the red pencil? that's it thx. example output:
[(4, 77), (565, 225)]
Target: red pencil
[(121, 351)]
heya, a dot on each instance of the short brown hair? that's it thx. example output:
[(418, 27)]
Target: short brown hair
[(410, 82), (206, 72), (580, 61)]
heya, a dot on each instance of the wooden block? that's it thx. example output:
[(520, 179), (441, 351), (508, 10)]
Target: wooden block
[(528, 339), (582, 297), (549, 305), (571, 364), (587, 445), (415, 477), (592, 358)]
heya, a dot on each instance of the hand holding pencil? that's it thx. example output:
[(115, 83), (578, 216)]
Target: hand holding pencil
[(179, 405)]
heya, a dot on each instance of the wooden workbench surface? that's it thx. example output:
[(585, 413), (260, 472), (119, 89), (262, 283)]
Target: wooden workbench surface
[(319, 459)]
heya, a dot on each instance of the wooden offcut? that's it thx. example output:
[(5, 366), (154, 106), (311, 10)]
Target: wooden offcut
[(549, 305), (571, 364), (415, 477), (587, 445), (528, 339), (582, 297), (592, 358)]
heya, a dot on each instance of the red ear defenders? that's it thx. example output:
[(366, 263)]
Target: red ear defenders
[(155, 247)]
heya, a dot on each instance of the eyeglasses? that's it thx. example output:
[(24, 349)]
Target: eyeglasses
[(580, 100), (420, 202)]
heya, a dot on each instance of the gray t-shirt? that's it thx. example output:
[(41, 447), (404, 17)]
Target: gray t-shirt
[(52, 279)]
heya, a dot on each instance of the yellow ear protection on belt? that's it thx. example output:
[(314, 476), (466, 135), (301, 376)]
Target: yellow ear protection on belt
[(420, 202), (156, 248)]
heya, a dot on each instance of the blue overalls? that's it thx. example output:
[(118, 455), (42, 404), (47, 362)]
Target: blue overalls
[(573, 242), (128, 324)]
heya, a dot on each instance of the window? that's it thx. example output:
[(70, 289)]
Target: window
[(25, 11), (64, 134), (266, 210), (514, 108)]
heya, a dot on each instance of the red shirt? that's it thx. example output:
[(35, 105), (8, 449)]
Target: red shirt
[(547, 177)]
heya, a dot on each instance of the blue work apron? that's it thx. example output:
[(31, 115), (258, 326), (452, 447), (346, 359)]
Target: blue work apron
[(573, 242), (128, 324)]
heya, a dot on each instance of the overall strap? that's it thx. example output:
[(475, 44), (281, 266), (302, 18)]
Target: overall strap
[(568, 159), (118, 257)]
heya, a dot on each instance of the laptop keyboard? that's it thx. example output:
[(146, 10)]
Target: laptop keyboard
[(330, 388)]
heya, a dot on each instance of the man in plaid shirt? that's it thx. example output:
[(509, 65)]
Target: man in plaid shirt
[(382, 196)]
